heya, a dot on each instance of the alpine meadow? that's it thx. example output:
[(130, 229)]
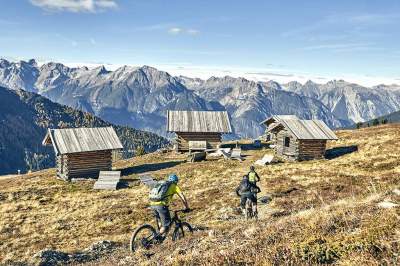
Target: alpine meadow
[(199, 132)]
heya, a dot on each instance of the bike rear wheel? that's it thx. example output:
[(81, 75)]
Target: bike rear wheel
[(180, 231), (249, 209), (144, 237), (255, 212)]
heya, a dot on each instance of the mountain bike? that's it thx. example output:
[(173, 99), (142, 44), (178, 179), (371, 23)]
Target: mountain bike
[(146, 236), (251, 210)]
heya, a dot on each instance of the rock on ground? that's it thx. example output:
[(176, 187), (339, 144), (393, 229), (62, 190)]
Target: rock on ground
[(49, 257)]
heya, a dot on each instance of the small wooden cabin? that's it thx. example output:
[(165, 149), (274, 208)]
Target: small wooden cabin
[(272, 121), (198, 126), (301, 139), (82, 152)]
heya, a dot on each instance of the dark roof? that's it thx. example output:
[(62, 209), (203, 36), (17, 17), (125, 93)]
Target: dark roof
[(73, 140), (277, 118), (198, 121), (307, 129)]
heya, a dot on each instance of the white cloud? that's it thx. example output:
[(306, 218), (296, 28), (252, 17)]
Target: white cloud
[(344, 47), (192, 31), (175, 30), (92, 41), (154, 27), (372, 18), (171, 28), (178, 30), (75, 5)]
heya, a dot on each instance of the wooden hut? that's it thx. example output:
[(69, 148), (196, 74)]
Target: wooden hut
[(301, 139), (271, 122), (82, 152), (199, 126)]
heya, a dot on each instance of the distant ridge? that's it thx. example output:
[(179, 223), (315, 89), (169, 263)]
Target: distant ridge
[(25, 117), (385, 119)]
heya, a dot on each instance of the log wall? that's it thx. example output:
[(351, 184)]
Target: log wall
[(182, 140), (83, 164), (312, 149)]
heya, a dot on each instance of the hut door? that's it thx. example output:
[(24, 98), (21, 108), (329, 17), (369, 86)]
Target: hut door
[(286, 144)]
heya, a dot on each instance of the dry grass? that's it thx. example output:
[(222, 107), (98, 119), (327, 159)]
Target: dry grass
[(322, 211)]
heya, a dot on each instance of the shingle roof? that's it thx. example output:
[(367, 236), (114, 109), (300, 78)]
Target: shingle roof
[(73, 140), (308, 129), (277, 118), (198, 121)]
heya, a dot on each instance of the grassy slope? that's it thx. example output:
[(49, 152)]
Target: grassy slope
[(332, 216), (391, 118)]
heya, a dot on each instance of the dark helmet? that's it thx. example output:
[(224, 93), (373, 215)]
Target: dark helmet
[(173, 178), (252, 168)]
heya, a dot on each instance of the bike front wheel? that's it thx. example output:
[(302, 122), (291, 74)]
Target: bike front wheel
[(180, 231), (144, 237)]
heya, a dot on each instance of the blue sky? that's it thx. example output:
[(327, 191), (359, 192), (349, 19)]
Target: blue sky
[(283, 40)]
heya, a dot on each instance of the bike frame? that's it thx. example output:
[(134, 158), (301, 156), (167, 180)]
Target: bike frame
[(251, 208), (174, 221), (155, 237)]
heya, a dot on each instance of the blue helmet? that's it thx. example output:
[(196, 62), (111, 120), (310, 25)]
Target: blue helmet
[(173, 178)]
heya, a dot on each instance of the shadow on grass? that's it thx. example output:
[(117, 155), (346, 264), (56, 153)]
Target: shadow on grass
[(139, 169), (340, 151)]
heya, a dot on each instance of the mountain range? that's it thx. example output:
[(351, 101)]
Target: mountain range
[(140, 96), (351, 102), (25, 117)]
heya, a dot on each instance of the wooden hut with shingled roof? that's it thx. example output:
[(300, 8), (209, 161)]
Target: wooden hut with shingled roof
[(198, 126), (82, 152), (301, 139), (271, 121)]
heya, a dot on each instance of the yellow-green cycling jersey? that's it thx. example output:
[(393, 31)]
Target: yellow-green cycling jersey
[(172, 190), (253, 177)]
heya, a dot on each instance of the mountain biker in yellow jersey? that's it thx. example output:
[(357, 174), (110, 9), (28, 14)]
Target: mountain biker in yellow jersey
[(161, 207), (253, 176)]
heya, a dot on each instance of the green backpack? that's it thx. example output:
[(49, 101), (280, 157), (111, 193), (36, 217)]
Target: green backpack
[(159, 191)]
